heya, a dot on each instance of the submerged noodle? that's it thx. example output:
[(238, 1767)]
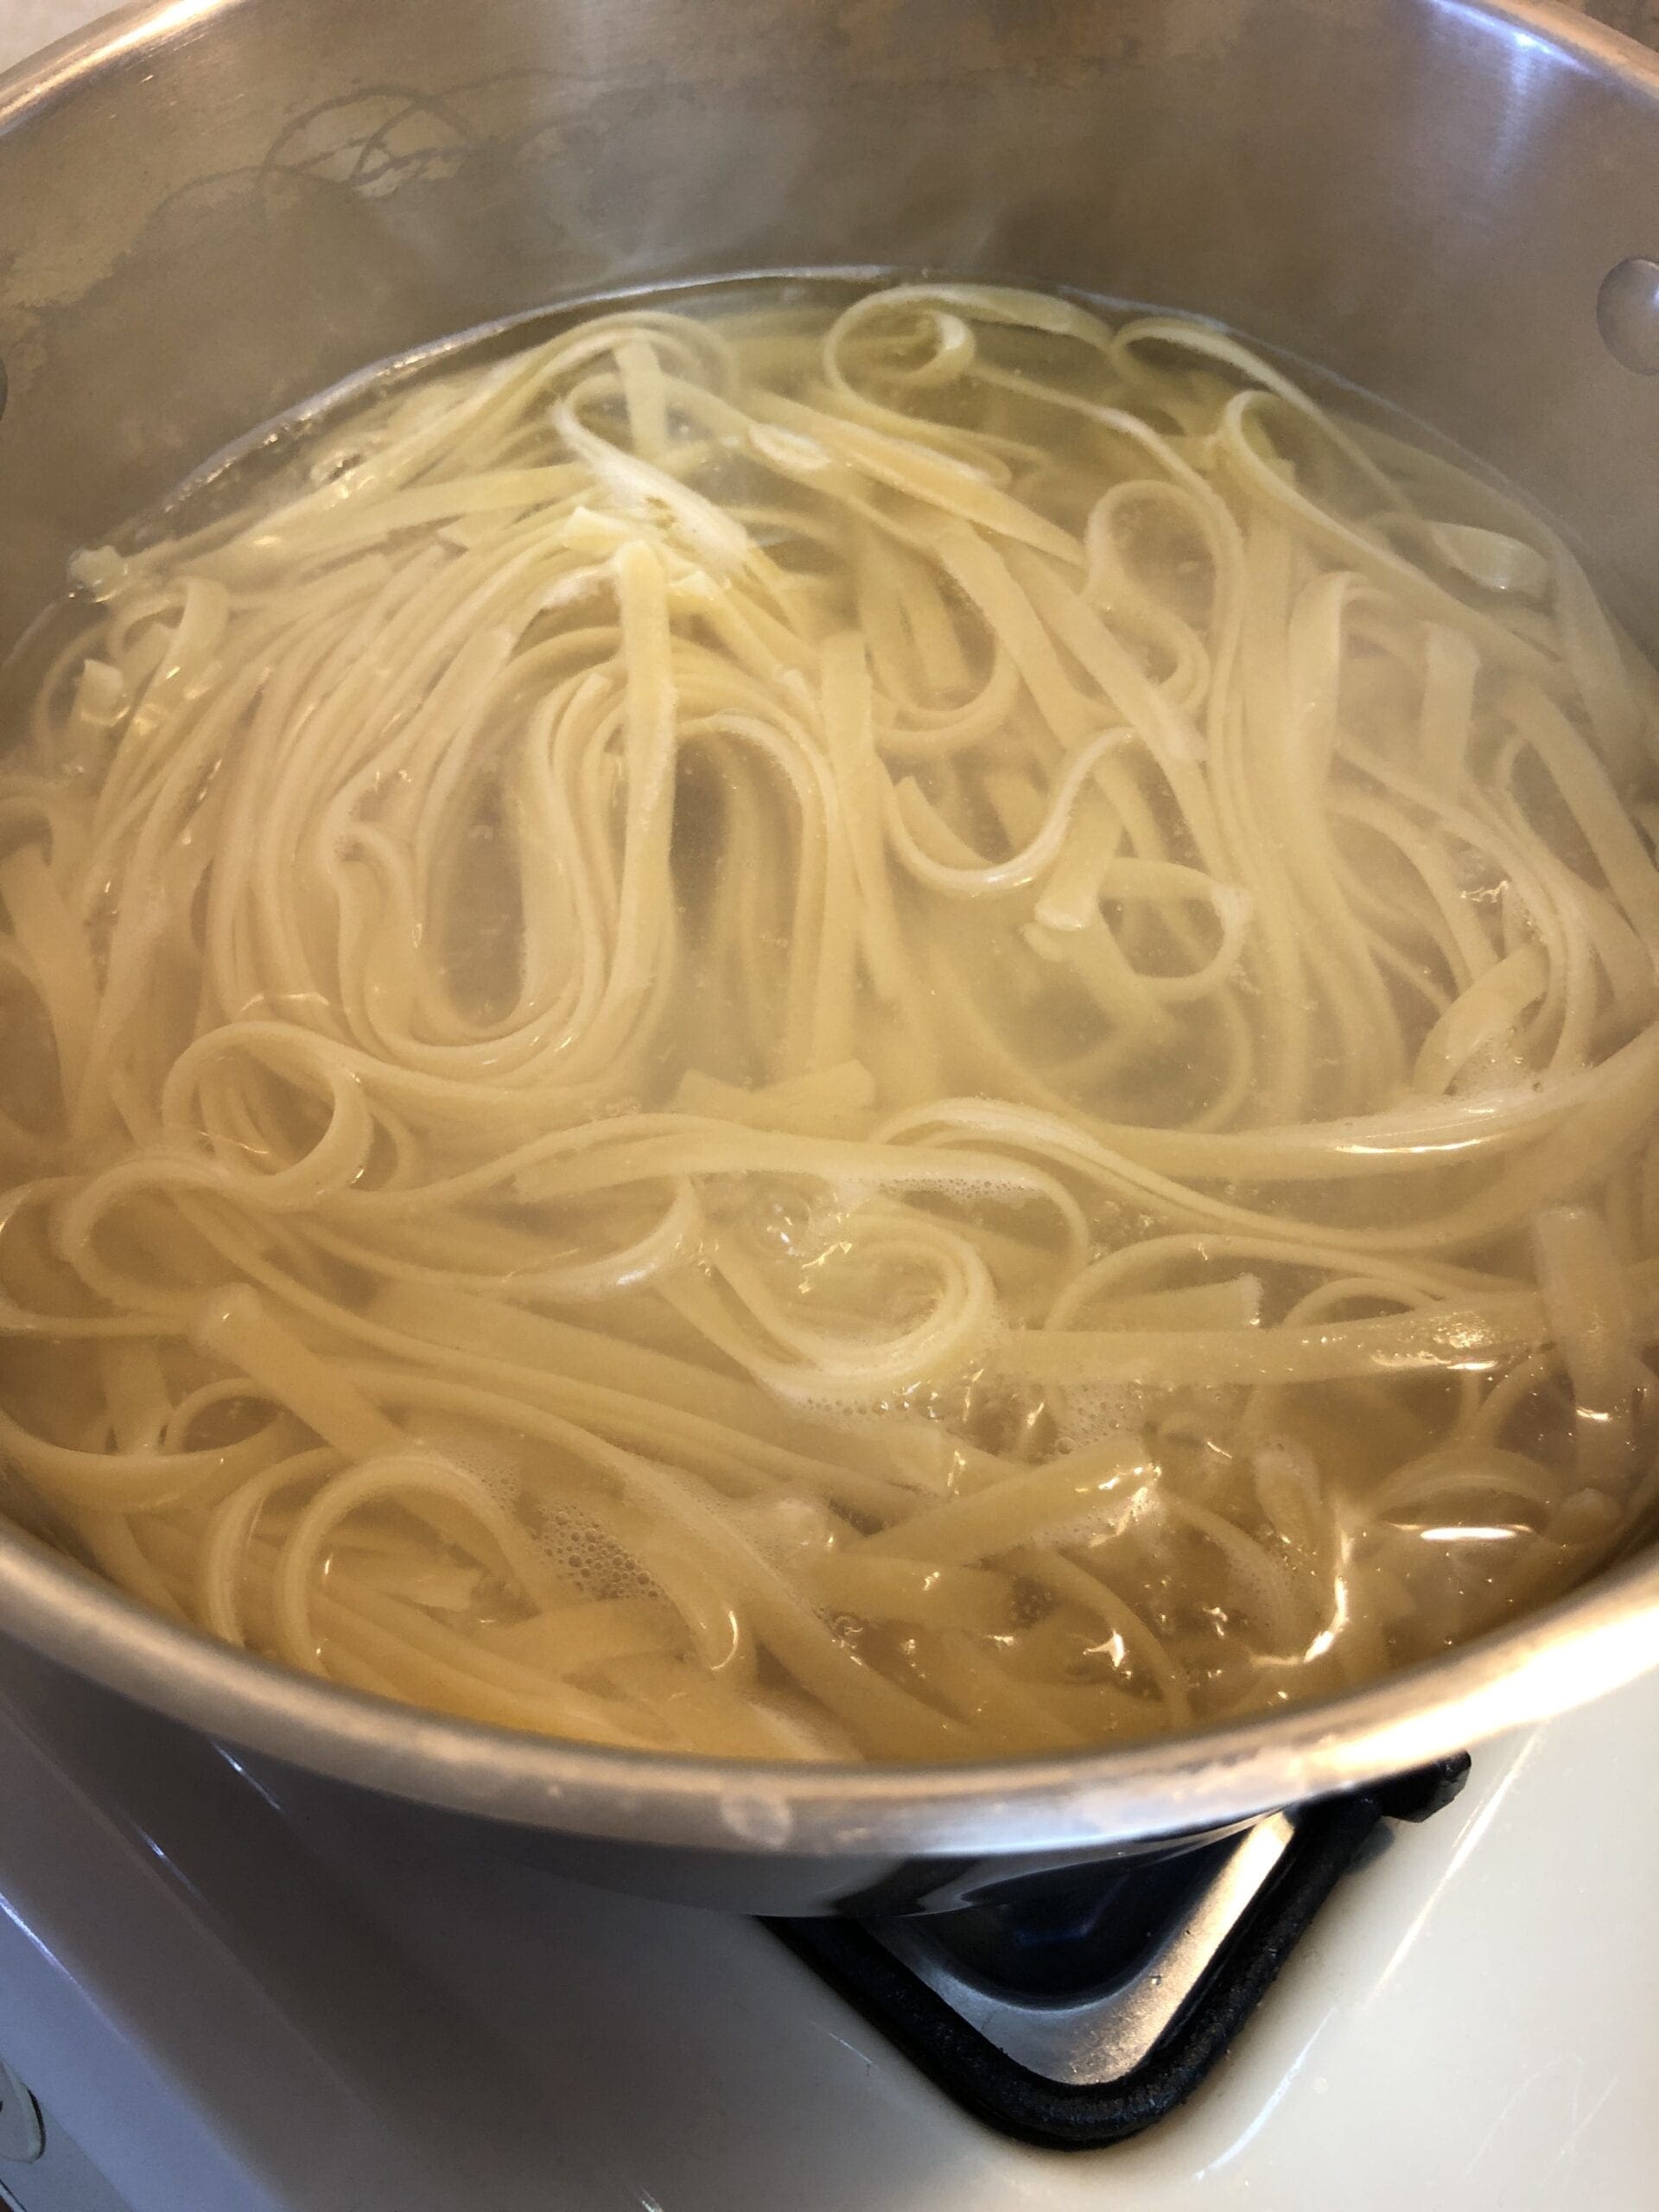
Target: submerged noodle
[(836, 1031)]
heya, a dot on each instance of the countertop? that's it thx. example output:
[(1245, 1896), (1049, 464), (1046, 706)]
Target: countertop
[(27, 24)]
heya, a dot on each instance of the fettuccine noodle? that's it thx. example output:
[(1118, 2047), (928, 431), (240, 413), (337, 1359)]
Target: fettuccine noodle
[(836, 1031)]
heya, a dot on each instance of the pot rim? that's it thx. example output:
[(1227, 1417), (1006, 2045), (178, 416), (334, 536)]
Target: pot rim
[(1594, 1641)]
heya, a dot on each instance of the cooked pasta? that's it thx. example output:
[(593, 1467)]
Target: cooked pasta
[(858, 1026)]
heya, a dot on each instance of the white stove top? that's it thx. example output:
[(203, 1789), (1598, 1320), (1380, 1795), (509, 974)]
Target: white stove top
[(344, 2007)]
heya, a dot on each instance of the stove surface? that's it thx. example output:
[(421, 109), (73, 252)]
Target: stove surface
[(307, 2001)]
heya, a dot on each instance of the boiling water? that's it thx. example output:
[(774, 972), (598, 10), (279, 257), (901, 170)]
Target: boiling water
[(833, 1025)]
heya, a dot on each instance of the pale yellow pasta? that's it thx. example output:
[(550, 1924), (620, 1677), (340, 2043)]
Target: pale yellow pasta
[(837, 1025)]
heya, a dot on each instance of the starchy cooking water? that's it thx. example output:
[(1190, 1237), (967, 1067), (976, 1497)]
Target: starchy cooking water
[(834, 1023)]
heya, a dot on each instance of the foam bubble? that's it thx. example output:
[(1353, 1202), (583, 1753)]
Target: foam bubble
[(583, 1553), (1090, 1413)]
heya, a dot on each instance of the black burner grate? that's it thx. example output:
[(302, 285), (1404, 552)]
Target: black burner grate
[(1070, 1982)]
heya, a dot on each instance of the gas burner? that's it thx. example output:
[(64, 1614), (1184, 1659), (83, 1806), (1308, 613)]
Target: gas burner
[(1086, 2005)]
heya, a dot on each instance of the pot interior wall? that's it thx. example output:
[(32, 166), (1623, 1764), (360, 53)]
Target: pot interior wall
[(251, 199)]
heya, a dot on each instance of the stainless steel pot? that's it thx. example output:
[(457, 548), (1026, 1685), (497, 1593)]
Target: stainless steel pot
[(214, 207)]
